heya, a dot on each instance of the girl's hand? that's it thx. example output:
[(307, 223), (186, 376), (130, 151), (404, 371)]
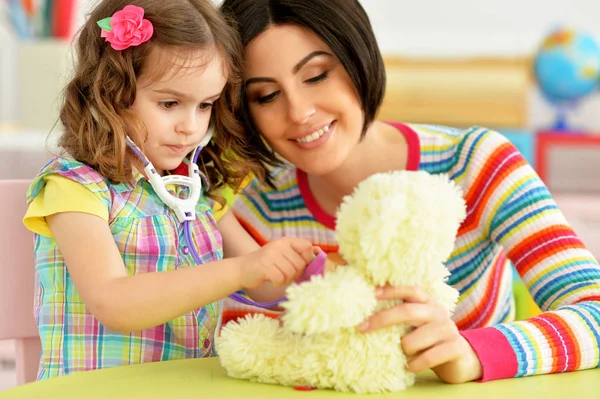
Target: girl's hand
[(279, 262), (435, 342)]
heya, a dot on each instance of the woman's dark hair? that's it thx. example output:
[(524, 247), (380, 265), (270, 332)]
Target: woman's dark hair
[(343, 25)]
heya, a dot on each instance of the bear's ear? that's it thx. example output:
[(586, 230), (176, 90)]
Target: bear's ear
[(334, 259)]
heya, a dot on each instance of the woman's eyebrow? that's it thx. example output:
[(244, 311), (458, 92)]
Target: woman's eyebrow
[(295, 69), (309, 57)]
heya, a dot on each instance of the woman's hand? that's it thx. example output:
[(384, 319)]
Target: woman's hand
[(435, 342)]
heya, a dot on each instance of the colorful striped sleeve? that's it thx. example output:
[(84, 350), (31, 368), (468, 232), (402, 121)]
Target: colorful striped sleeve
[(508, 201)]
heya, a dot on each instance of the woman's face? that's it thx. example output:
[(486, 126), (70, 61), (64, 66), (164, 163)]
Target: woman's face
[(302, 99)]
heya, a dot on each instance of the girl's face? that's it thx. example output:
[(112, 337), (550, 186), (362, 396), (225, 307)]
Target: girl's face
[(301, 99), (176, 109)]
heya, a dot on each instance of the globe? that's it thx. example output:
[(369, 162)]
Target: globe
[(567, 69)]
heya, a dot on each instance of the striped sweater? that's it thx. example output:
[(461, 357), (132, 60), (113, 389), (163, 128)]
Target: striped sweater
[(511, 218)]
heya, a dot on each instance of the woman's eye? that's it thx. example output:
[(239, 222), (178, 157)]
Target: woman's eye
[(205, 106), (268, 98), (167, 104), (318, 78)]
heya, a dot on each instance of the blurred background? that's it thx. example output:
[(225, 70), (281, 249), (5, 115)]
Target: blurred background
[(529, 69)]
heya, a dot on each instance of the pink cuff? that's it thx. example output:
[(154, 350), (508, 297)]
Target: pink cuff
[(497, 357)]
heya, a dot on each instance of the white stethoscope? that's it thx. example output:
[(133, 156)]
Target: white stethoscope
[(185, 208)]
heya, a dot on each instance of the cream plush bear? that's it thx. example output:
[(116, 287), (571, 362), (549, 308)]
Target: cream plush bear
[(396, 228)]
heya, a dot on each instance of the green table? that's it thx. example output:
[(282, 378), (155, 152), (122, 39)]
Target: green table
[(205, 378)]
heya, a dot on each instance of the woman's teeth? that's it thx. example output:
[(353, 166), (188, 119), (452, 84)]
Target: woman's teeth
[(313, 136)]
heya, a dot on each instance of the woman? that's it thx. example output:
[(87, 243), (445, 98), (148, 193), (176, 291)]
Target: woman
[(314, 81)]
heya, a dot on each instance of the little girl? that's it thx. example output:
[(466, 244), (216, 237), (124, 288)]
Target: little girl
[(123, 277)]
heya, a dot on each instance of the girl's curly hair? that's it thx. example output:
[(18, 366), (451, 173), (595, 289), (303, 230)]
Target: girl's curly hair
[(96, 111)]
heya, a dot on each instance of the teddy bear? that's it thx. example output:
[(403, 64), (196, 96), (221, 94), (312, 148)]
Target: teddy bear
[(395, 228)]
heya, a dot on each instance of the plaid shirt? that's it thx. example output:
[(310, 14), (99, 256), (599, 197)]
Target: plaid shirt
[(150, 239)]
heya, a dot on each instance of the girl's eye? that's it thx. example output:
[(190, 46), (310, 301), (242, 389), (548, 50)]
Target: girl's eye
[(167, 104), (205, 106), (318, 78), (268, 98)]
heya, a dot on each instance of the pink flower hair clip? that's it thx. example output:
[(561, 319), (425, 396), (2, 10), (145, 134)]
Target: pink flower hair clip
[(126, 28)]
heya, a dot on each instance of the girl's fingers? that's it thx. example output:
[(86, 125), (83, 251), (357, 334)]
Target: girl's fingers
[(295, 260), (277, 271)]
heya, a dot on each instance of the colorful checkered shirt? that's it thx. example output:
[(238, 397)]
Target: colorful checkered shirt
[(150, 239)]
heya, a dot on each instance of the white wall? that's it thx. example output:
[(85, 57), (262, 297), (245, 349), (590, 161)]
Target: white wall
[(8, 69), (474, 27), (430, 28)]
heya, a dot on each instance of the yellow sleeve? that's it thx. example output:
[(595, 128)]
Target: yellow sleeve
[(229, 194), (220, 210), (61, 194)]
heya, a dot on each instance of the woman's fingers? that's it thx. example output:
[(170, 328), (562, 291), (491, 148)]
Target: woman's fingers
[(437, 355), (435, 342), (427, 336), (407, 294), (413, 314)]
